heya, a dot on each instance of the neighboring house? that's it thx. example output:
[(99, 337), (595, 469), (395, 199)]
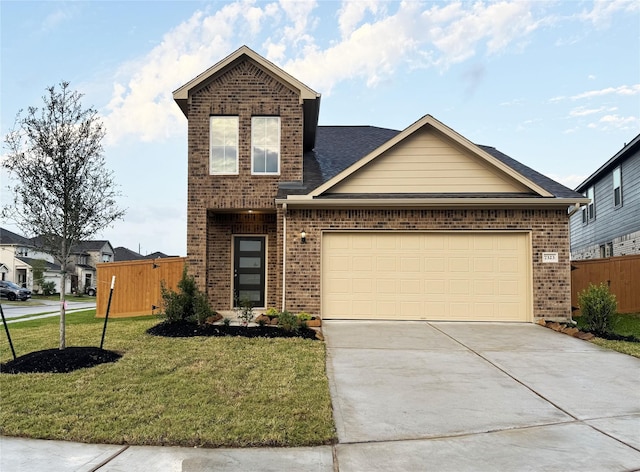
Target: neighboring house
[(17, 258), (124, 254), (18, 253), (85, 255), (609, 225), (359, 222)]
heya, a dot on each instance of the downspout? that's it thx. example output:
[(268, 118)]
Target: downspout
[(284, 254)]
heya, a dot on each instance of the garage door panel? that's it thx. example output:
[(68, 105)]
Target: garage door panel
[(438, 276)]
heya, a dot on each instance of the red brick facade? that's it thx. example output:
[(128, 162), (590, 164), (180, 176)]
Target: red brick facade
[(221, 207), (244, 90), (549, 233)]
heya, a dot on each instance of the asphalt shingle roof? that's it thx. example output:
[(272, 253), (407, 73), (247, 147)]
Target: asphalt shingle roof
[(339, 147), (9, 237)]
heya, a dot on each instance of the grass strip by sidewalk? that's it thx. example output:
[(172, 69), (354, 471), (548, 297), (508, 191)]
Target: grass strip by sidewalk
[(623, 325), (210, 392)]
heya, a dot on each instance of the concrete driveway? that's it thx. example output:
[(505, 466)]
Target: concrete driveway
[(475, 396)]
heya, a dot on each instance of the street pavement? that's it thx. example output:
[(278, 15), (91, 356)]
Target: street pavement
[(32, 309), (414, 396)]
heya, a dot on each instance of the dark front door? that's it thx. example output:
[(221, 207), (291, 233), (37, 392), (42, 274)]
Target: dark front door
[(248, 273)]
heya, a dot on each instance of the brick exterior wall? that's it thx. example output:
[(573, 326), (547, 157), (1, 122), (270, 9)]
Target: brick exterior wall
[(244, 90), (222, 228), (549, 230)]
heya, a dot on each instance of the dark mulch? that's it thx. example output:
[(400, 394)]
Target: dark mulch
[(185, 329), (59, 360), (616, 337)]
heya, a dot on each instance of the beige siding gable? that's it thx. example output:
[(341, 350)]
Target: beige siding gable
[(428, 162)]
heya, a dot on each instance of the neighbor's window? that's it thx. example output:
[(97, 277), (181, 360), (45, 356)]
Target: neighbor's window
[(106, 257), (617, 187), (223, 133), (592, 204), (265, 145)]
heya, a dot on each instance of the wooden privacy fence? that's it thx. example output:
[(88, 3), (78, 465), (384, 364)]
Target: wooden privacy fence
[(621, 273), (137, 288)]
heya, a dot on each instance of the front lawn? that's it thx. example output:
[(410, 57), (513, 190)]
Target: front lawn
[(623, 325), (203, 391)]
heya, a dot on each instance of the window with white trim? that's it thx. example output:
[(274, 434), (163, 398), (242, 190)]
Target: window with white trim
[(223, 142), (265, 145), (617, 187), (591, 206)]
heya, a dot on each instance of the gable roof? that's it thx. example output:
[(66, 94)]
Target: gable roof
[(342, 150), (13, 239), (309, 99), (50, 266), (431, 122), (620, 156), (124, 254)]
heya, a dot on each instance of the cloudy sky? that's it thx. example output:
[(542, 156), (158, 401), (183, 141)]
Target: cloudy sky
[(553, 84)]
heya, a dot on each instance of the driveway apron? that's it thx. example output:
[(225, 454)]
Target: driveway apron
[(479, 396)]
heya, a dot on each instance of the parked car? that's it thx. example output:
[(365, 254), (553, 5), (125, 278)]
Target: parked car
[(91, 291), (13, 291)]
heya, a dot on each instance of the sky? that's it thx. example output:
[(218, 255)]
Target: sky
[(553, 84)]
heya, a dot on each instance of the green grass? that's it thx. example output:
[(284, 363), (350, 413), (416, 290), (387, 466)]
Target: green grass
[(209, 392), (624, 325)]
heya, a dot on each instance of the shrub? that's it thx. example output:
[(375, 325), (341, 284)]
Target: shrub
[(303, 316), (48, 288), (244, 311), (597, 305), (288, 321), (271, 312), (188, 303)]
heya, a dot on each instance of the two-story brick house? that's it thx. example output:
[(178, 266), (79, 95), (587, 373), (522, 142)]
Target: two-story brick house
[(353, 222)]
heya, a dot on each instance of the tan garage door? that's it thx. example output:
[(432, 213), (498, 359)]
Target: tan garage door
[(434, 276)]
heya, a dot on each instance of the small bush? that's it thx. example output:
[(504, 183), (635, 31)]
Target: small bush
[(303, 316), (244, 312), (271, 312), (288, 321), (188, 303), (48, 288), (597, 305)]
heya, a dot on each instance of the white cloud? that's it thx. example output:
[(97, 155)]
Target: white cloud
[(602, 11), (571, 181), (375, 45), (620, 122), (627, 90)]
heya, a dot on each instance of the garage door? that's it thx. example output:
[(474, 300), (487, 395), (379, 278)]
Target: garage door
[(426, 276)]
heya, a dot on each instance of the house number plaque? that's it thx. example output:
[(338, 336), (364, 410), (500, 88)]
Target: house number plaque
[(550, 257)]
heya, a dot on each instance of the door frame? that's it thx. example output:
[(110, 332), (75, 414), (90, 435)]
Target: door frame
[(233, 266)]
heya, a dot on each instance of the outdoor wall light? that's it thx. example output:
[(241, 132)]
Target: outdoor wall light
[(303, 237)]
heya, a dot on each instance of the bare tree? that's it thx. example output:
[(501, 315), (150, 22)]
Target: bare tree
[(62, 192)]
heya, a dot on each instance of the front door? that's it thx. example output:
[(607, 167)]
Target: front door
[(249, 271)]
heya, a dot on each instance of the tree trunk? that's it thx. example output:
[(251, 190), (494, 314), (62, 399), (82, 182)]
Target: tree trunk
[(63, 310)]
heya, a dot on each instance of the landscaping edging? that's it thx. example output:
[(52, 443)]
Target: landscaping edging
[(567, 329)]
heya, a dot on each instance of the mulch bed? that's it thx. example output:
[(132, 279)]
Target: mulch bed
[(59, 360), (185, 329)]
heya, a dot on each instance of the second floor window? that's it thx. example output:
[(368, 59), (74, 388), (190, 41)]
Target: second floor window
[(591, 206), (106, 257), (617, 187), (223, 133), (265, 145)]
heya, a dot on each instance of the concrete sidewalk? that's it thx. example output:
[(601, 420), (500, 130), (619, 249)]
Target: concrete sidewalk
[(415, 396)]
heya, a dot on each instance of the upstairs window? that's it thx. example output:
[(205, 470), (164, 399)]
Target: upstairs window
[(106, 257), (223, 138), (617, 187), (265, 145), (591, 206)]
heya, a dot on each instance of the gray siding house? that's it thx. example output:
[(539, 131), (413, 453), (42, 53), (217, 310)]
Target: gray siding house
[(610, 224)]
